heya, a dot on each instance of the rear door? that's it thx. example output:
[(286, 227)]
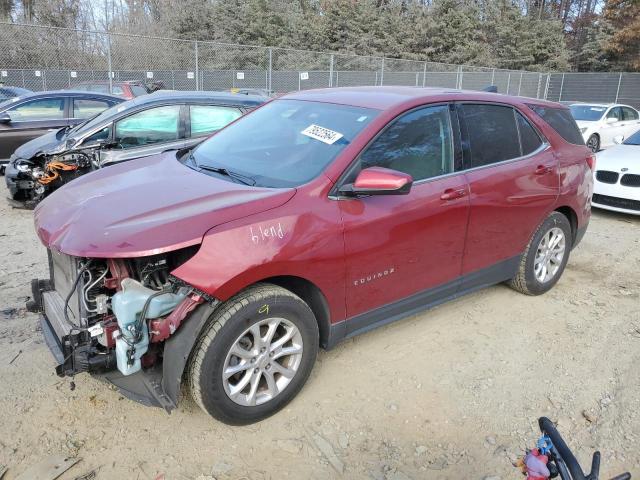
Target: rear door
[(514, 182), (630, 121), (146, 132), (31, 119), (402, 251)]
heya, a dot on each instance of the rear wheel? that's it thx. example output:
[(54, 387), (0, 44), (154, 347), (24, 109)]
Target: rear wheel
[(254, 356), (594, 143), (545, 257)]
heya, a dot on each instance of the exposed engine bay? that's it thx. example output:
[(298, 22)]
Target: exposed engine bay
[(117, 312), (44, 173)]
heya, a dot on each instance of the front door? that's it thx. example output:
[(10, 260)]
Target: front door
[(399, 248), (144, 133), (31, 119), (514, 181)]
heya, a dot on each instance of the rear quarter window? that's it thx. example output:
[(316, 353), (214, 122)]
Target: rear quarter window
[(561, 120)]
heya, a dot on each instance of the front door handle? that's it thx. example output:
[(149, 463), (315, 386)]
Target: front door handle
[(453, 193), (543, 169)]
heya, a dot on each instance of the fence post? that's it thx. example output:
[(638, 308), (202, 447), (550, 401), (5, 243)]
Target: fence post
[(270, 68), (520, 83), (539, 85), (561, 87), (459, 78), (382, 73), (546, 87), (424, 74), (493, 76), (331, 70), (44, 80), (109, 65), (618, 90), (197, 72)]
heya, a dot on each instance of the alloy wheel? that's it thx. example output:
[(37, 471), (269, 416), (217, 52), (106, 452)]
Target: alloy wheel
[(262, 361), (549, 255)]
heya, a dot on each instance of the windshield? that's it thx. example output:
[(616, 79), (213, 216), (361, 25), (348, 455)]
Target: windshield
[(98, 119), (633, 139), (587, 113), (285, 143)]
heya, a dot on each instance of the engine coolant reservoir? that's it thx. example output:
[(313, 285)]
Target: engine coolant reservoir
[(127, 306)]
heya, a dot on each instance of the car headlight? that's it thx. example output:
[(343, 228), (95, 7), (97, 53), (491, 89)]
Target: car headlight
[(583, 129)]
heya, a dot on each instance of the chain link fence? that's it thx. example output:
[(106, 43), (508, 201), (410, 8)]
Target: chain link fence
[(47, 58)]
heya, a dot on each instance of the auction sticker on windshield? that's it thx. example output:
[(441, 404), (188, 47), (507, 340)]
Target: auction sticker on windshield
[(323, 134)]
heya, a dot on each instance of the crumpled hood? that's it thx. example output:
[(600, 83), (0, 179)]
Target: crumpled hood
[(144, 207), (46, 142)]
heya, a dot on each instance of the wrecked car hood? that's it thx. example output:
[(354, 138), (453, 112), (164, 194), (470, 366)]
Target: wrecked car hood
[(144, 207), (44, 143)]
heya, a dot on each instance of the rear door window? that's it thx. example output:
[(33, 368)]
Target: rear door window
[(88, 107), (42, 109), (156, 125), (529, 138), (206, 119), (616, 113), (561, 121), (629, 114), (419, 143), (492, 133)]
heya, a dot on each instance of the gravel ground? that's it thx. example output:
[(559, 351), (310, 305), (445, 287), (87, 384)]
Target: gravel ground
[(453, 393)]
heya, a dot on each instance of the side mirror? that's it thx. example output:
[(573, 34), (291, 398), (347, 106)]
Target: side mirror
[(379, 181), (5, 118), (618, 139), (611, 120)]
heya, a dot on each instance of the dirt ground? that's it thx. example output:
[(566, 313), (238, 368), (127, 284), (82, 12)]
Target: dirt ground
[(453, 393)]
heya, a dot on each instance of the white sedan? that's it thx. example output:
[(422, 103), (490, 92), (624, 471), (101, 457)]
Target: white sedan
[(600, 123), (617, 177)]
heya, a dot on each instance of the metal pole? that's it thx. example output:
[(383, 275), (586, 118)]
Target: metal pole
[(508, 83), (618, 90), (270, 68), (331, 70), (546, 87), (493, 76), (539, 85), (299, 82), (382, 73), (460, 75), (520, 83), (424, 74), (561, 87), (44, 80), (197, 72), (109, 65)]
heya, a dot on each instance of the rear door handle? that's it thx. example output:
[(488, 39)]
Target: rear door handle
[(453, 193), (543, 169)]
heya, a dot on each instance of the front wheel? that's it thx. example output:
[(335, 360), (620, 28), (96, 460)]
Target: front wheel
[(593, 143), (545, 257), (254, 356)]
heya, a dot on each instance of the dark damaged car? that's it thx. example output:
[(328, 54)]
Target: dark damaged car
[(144, 126), (318, 216)]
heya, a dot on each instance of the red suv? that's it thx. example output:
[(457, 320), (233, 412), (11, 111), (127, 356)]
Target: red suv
[(318, 216)]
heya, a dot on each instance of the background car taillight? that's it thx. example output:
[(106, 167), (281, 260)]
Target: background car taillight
[(591, 161)]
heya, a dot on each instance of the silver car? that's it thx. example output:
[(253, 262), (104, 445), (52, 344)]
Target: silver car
[(146, 125)]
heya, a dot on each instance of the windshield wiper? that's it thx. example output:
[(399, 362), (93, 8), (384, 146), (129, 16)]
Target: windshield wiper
[(228, 173)]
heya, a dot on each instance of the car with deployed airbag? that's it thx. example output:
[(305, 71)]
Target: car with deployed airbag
[(144, 126), (315, 217)]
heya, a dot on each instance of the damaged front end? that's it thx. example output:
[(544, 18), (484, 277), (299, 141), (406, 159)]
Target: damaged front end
[(30, 180), (113, 318)]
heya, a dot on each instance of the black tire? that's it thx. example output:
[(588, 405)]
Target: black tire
[(525, 280), (593, 142), (220, 334)]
